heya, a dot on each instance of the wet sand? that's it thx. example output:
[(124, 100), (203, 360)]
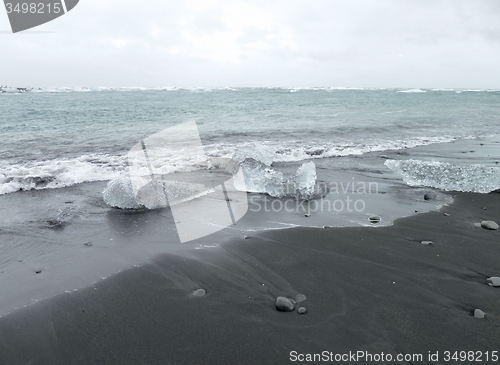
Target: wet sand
[(368, 289)]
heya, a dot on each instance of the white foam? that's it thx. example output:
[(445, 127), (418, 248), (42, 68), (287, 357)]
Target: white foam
[(58, 173), (349, 149), (256, 151), (410, 91), (98, 167), (471, 178)]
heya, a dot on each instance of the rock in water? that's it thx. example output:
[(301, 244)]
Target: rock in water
[(430, 196), (284, 304), (302, 310), (489, 225), (478, 313), (446, 214), (426, 243), (493, 281)]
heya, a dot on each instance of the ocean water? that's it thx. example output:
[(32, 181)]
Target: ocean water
[(60, 137)]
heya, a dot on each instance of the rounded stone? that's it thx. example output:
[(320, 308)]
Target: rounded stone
[(284, 304), (199, 293), (478, 313), (302, 310), (426, 243), (446, 214), (300, 298), (489, 225), (493, 281)]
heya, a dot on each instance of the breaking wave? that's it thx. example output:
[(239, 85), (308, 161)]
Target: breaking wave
[(475, 178), (58, 173)]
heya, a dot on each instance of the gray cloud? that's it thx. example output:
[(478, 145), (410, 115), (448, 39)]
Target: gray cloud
[(361, 43)]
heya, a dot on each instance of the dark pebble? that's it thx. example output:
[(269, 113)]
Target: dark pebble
[(430, 196)]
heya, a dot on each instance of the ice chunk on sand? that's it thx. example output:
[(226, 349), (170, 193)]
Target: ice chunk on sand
[(255, 177), (257, 152), (305, 180), (119, 193)]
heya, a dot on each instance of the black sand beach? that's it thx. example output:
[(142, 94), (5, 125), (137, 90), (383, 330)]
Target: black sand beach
[(377, 290)]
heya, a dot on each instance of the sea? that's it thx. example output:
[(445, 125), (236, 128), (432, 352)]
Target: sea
[(57, 137)]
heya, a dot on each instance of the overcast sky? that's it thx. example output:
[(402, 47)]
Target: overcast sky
[(347, 43)]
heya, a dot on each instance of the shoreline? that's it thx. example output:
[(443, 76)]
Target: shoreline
[(367, 289)]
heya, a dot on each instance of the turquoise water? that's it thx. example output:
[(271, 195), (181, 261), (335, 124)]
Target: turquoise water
[(54, 139)]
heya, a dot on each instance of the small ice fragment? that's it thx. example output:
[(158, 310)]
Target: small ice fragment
[(302, 310), (426, 243)]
